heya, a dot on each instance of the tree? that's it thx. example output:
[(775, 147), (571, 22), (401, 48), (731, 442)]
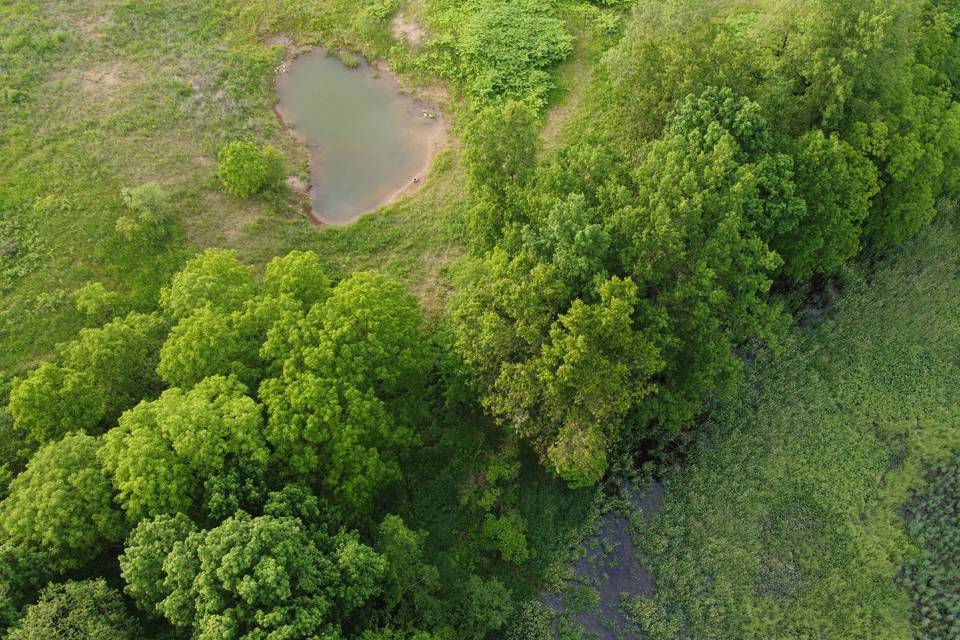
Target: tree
[(837, 184), (298, 275), (53, 400), (252, 577), (86, 610), (215, 278), (246, 170), (500, 151), (62, 504), (144, 553), (95, 301), (121, 358), (352, 381), (410, 583), (213, 342), (162, 452), (371, 336), (22, 571)]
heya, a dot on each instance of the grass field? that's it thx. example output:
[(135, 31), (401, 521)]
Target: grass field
[(787, 521)]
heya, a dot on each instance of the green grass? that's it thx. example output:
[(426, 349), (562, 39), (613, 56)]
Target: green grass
[(100, 95), (787, 521)]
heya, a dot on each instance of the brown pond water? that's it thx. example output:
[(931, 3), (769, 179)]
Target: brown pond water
[(369, 142)]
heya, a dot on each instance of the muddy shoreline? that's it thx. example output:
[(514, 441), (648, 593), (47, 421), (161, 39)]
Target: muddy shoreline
[(435, 143)]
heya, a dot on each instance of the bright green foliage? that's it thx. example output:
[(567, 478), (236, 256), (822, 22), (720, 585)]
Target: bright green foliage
[(246, 170), (151, 219), (298, 275), (62, 504), (837, 184), (215, 278), (251, 577), (96, 301), (53, 400), (211, 342), (207, 343), (144, 553), (121, 358), (351, 364), (371, 336), (87, 610), (162, 451), (338, 436), (149, 476), (508, 49), (500, 152), (933, 579)]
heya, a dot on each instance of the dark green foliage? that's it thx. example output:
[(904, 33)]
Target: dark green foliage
[(500, 152), (87, 610), (933, 579), (786, 521), (144, 553), (246, 170), (22, 571), (530, 621)]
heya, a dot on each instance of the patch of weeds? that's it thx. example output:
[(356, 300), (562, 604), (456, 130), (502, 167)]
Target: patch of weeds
[(22, 250), (933, 578)]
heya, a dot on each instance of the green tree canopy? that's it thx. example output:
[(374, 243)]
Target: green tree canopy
[(85, 610), (215, 278), (121, 358), (162, 451), (62, 504), (258, 576), (53, 400), (144, 553)]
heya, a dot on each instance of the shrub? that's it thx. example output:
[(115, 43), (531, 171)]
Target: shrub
[(246, 170)]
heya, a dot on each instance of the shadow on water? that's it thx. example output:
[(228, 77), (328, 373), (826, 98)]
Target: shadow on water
[(369, 142), (611, 568)]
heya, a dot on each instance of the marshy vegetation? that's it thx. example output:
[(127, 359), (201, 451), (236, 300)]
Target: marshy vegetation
[(711, 243)]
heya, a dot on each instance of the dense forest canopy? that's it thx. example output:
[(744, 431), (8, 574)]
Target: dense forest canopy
[(290, 441)]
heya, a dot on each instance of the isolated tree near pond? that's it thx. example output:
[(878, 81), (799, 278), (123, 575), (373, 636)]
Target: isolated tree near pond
[(62, 504), (246, 170)]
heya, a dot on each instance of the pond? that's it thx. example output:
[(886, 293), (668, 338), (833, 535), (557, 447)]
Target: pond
[(369, 142)]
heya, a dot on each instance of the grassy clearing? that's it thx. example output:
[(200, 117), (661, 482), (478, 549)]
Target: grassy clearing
[(787, 523), (107, 94)]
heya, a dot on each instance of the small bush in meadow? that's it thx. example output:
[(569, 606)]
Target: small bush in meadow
[(246, 170)]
